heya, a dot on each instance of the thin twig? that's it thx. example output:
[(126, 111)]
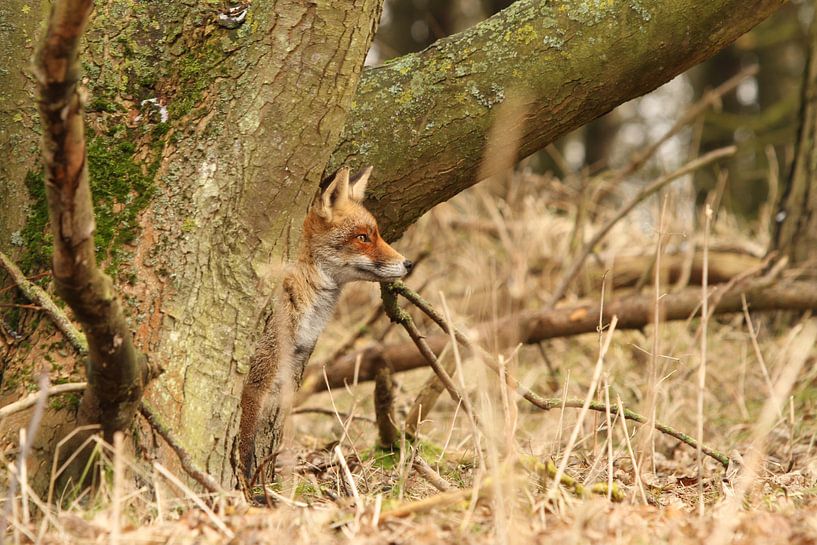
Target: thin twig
[(329, 412), (400, 316), (553, 403), (645, 192), (31, 399), (36, 294), (22, 456), (204, 479)]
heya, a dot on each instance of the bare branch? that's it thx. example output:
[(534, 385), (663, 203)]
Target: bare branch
[(117, 371), (204, 479), (31, 399)]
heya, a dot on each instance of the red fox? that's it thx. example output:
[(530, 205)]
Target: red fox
[(340, 244)]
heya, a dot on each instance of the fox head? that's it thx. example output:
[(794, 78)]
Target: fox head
[(342, 239)]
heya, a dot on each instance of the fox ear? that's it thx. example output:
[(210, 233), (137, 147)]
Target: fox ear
[(336, 192), (357, 185)]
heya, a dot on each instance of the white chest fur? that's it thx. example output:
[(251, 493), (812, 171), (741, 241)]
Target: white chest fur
[(314, 320)]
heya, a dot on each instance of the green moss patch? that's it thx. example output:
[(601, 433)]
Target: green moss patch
[(121, 189)]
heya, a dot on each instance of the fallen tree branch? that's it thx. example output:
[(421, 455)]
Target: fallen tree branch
[(534, 326), (427, 472), (36, 294), (626, 271)]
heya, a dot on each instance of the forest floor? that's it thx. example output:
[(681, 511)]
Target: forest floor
[(494, 251)]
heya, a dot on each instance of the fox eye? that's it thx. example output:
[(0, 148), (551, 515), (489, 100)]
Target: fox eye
[(363, 237)]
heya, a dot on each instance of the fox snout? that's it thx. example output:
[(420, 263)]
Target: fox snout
[(389, 265)]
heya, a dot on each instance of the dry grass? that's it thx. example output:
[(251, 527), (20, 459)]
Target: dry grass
[(495, 250)]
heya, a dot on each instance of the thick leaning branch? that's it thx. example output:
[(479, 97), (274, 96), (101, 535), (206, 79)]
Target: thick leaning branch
[(422, 120), (535, 326), (116, 371)]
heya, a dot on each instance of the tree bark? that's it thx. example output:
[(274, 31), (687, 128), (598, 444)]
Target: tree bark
[(422, 120), (234, 195), (796, 220), (18, 116)]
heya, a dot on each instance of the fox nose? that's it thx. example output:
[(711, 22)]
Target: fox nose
[(408, 264)]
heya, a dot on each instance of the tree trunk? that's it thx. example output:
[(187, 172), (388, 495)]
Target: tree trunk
[(210, 142), (234, 193), (18, 116), (796, 220)]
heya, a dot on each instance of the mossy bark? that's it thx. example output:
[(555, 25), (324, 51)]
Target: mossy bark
[(19, 125), (422, 120), (233, 191)]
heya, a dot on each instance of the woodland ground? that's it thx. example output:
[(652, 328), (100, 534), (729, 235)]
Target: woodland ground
[(500, 248)]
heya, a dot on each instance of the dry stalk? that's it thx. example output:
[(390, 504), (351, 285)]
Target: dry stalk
[(591, 391), (16, 476), (214, 518), (633, 459), (118, 478), (644, 193), (547, 404), (755, 345), (702, 366)]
